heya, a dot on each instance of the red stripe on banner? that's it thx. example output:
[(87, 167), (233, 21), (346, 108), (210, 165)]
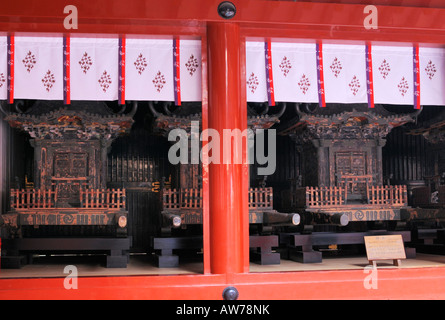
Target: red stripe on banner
[(416, 77), (11, 48), (321, 92), (176, 71), (67, 77), (369, 76), (269, 74), (122, 53)]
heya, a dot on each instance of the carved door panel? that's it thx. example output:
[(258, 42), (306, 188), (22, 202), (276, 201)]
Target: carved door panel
[(61, 165), (351, 163), (79, 164), (70, 172), (70, 165)]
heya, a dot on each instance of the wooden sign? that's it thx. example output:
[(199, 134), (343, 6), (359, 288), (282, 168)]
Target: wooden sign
[(388, 247)]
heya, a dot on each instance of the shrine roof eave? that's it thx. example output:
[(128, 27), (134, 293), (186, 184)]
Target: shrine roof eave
[(79, 114), (166, 123)]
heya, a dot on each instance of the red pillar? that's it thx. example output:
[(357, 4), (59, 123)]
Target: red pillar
[(227, 109)]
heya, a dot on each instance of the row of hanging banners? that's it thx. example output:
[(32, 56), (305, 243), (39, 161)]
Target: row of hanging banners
[(80, 68)]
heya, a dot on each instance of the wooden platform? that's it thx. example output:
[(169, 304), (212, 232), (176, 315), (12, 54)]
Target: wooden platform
[(92, 266), (260, 247), (429, 241), (300, 247), (21, 251)]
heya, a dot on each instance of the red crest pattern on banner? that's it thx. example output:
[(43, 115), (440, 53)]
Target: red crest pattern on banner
[(252, 82), (285, 66), (336, 67), (2, 79), (29, 61), (304, 84), (192, 65), (354, 85), (430, 70), (384, 69), (403, 86), (85, 63), (105, 81), (159, 81), (48, 80), (140, 63)]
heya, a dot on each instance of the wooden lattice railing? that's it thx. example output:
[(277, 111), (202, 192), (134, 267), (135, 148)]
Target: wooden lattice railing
[(89, 198), (338, 196), (260, 198), (33, 198), (182, 198), (325, 196), (388, 195), (102, 198), (175, 199)]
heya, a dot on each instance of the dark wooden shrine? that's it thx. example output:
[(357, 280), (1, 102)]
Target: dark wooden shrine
[(70, 199), (347, 174), (182, 205), (427, 217), (341, 150), (432, 194)]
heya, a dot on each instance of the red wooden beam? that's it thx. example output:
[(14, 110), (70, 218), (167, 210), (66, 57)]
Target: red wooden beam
[(256, 18), (398, 3), (393, 283)]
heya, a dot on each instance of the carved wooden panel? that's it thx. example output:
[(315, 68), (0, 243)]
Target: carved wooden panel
[(70, 165), (350, 163), (79, 164), (61, 165), (70, 175)]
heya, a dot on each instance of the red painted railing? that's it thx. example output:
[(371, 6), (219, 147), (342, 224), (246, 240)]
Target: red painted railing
[(388, 195), (259, 198), (33, 198), (89, 198), (338, 196), (103, 198)]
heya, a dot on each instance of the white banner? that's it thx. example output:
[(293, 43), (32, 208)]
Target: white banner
[(38, 69), (149, 70), (295, 72), (344, 73), (94, 69), (256, 85), (3, 68), (393, 75), (432, 76), (190, 71)]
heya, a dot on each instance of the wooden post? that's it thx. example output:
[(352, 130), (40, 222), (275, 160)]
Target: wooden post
[(228, 183)]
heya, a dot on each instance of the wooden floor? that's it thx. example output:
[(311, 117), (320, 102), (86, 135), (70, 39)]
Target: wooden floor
[(88, 266)]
